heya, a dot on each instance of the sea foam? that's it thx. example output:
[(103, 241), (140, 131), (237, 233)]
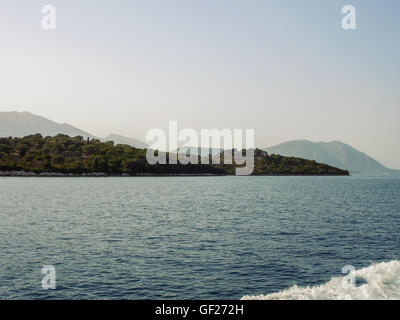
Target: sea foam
[(381, 282)]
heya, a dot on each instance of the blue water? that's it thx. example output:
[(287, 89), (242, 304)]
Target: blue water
[(190, 237)]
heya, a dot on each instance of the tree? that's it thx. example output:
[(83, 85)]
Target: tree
[(22, 148)]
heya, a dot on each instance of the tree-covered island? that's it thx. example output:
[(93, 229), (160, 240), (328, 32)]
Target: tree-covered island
[(62, 154)]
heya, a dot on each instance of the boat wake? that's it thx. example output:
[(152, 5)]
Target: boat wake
[(381, 281)]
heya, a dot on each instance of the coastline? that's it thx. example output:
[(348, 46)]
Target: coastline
[(105, 175), (97, 174)]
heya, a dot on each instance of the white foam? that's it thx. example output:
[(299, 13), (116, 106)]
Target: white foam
[(382, 282)]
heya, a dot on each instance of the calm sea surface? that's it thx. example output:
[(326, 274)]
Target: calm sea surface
[(190, 237)]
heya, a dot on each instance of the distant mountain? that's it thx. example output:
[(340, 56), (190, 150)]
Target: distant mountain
[(336, 153), (203, 152), (125, 140), (20, 124)]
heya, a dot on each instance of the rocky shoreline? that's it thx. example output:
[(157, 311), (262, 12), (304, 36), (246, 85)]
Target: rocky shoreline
[(95, 174), (102, 174), (49, 174)]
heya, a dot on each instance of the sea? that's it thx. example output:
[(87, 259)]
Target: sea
[(267, 237)]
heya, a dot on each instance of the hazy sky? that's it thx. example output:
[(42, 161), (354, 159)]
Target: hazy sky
[(285, 68)]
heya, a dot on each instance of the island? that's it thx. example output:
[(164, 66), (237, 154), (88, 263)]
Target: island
[(61, 155)]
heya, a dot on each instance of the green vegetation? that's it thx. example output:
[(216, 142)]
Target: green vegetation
[(62, 154), (279, 165)]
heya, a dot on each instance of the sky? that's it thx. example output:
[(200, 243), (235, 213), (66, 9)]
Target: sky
[(286, 69)]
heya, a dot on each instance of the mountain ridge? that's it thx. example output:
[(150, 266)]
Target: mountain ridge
[(25, 123), (20, 124), (334, 153)]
